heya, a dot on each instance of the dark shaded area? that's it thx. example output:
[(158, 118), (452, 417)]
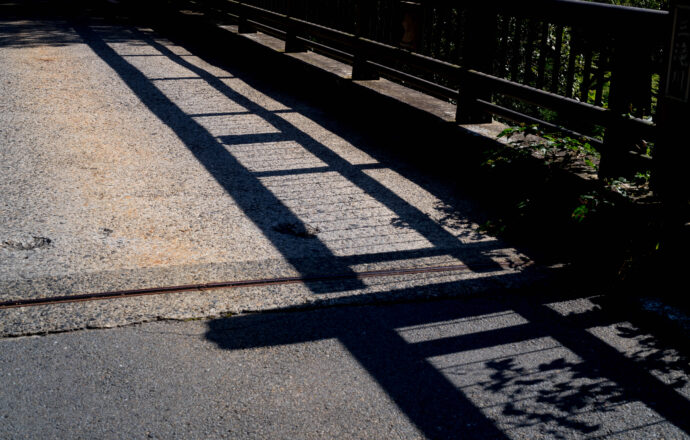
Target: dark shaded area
[(27, 243), (656, 355)]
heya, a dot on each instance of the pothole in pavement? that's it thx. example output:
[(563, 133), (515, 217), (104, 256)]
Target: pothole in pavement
[(26, 243)]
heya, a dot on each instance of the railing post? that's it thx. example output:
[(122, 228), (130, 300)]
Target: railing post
[(618, 141), (243, 26), (412, 22), (478, 54), (296, 8), (360, 69), (672, 152)]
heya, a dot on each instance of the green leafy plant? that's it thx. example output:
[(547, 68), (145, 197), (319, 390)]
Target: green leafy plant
[(567, 152), (554, 149), (589, 205)]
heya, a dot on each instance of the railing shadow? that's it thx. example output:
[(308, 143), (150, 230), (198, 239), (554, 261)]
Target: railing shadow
[(494, 367), (275, 210), (254, 168)]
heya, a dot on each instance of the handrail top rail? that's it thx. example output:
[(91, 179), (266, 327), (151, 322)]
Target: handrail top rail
[(578, 4)]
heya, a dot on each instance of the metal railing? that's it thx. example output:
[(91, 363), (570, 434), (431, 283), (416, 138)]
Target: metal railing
[(580, 67)]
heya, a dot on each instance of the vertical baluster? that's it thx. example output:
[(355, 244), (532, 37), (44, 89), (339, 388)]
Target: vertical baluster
[(427, 23), (570, 75), (586, 75), (600, 78), (344, 11), (556, 73), (529, 51), (455, 38), (502, 49), (368, 30), (380, 22), (645, 108), (543, 50), (447, 12), (450, 32), (644, 101), (618, 140), (394, 25), (515, 59), (438, 38), (442, 52), (348, 25), (312, 14)]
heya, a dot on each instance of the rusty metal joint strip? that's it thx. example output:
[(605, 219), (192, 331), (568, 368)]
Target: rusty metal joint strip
[(98, 296)]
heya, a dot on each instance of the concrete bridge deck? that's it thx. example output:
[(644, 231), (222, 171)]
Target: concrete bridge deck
[(129, 162)]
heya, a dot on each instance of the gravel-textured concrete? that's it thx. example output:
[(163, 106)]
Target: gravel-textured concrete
[(128, 162), (472, 368)]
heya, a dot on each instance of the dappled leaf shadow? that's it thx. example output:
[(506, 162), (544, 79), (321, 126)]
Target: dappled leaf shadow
[(454, 218), (553, 394), (657, 356)]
